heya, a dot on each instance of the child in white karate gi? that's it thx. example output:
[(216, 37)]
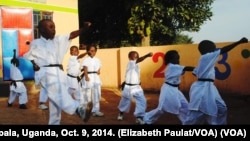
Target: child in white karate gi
[(17, 87), (206, 105), (47, 54), (171, 99), (91, 82), (73, 74), (132, 88)]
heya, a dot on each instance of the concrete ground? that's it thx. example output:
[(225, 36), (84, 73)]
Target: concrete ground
[(238, 110)]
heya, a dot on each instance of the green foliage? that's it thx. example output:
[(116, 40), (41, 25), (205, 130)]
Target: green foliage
[(117, 23), (182, 39), (166, 18)]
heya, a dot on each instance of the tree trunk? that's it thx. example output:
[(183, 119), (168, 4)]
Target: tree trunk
[(145, 41)]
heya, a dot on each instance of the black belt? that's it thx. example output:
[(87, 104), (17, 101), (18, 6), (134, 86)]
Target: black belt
[(77, 77), (124, 83), (13, 82), (55, 65), (205, 79), (92, 72), (131, 84), (72, 76), (174, 85)]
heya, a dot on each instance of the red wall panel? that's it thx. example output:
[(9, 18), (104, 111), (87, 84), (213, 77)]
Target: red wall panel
[(16, 17), (25, 36)]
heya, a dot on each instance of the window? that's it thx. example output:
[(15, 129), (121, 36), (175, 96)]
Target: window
[(37, 16)]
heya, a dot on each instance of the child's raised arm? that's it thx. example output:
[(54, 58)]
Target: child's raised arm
[(76, 33), (82, 55), (144, 57), (233, 45)]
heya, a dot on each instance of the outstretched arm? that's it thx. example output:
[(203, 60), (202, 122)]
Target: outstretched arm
[(82, 55), (233, 45), (144, 57), (76, 33)]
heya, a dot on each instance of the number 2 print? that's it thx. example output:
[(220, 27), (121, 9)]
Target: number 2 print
[(158, 57)]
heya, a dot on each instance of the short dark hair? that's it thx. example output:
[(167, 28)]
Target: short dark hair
[(132, 52), (73, 47), (40, 23), (169, 55), (91, 45), (206, 46)]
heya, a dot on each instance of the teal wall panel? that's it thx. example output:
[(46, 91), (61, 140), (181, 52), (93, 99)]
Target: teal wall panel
[(9, 42)]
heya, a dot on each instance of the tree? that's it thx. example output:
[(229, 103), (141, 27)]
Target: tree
[(118, 23), (109, 21), (182, 39), (164, 19)]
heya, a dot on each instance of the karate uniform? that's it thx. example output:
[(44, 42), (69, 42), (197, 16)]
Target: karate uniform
[(92, 89), (206, 104), (171, 99), (43, 96), (73, 71), (18, 90), (53, 79), (133, 90)]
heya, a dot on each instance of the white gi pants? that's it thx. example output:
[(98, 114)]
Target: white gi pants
[(19, 91), (55, 84), (130, 92)]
